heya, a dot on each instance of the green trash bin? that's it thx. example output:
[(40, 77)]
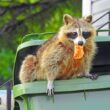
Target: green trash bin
[(79, 93)]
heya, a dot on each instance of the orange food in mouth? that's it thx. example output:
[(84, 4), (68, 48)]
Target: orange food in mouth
[(78, 52)]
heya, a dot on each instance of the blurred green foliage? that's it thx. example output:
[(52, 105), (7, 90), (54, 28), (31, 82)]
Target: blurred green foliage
[(6, 62), (21, 17)]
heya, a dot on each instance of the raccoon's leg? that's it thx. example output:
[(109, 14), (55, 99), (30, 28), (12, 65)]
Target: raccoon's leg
[(50, 88), (50, 83), (87, 65), (27, 71), (51, 73), (87, 72)]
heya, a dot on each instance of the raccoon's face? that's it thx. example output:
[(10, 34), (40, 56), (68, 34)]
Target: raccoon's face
[(78, 36), (78, 30)]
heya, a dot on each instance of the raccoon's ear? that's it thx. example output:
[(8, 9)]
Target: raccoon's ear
[(88, 18), (67, 19)]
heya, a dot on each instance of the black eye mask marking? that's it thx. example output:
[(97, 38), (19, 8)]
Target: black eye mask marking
[(72, 35), (86, 34)]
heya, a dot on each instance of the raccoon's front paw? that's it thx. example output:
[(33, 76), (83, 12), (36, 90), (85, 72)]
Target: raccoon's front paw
[(92, 76), (50, 88)]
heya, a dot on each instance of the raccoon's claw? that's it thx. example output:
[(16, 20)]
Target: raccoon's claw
[(92, 76), (50, 88), (50, 92)]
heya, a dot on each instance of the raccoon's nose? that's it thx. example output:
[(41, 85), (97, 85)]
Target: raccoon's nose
[(80, 43)]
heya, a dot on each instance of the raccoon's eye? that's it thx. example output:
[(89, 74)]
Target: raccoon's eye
[(86, 34), (72, 35)]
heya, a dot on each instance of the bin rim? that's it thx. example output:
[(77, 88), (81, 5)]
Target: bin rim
[(62, 86), (35, 42), (30, 43)]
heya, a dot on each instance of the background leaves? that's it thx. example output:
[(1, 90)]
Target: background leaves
[(21, 17)]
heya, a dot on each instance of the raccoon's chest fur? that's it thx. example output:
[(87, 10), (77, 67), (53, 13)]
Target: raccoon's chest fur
[(70, 67), (56, 58)]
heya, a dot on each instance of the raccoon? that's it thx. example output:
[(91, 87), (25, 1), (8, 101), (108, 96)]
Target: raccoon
[(55, 59)]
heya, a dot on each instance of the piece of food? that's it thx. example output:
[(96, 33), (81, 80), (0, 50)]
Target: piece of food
[(78, 52)]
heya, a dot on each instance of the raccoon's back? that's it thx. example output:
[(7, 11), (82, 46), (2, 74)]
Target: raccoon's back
[(46, 44)]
